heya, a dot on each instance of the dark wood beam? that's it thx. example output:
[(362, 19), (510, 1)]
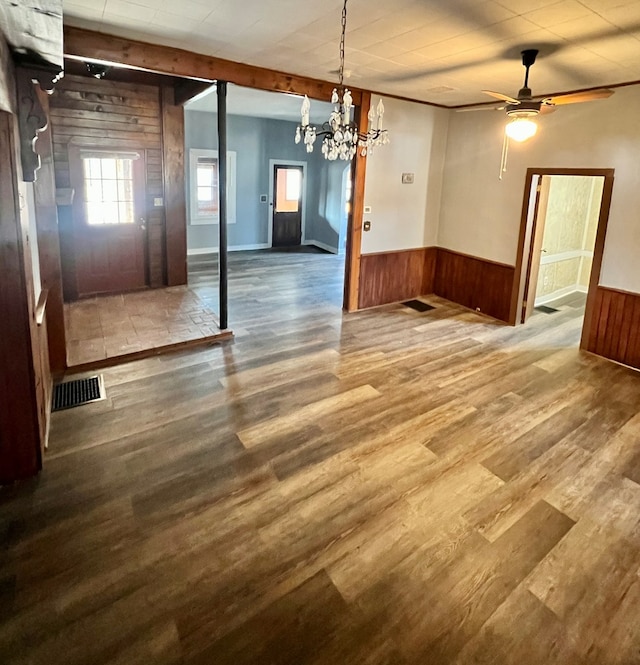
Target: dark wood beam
[(178, 62), (187, 89), (174, 193)]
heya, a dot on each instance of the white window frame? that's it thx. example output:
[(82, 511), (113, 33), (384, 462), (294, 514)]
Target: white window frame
[(196, 218)]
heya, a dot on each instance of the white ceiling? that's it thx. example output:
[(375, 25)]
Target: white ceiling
[(260, 104), (442, 51)]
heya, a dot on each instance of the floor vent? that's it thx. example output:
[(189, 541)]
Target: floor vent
[(418, 305), (75, 393), (545, 309)]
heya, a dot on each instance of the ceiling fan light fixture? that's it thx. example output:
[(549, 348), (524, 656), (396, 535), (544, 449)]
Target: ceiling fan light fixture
[(521, 129)]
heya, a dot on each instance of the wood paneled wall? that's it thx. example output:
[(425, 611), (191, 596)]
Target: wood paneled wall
[(25, 380), (475, 283), (49, 245), (394, 276), (615, 326), (114, 114)]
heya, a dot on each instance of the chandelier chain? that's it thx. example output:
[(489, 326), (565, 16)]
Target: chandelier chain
[(340, 136), (342, 40)]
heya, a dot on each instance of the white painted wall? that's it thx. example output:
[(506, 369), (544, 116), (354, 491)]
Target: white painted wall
[(480, 215), (406, 216)]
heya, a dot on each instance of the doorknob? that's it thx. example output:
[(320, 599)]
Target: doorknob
[(143, 223)]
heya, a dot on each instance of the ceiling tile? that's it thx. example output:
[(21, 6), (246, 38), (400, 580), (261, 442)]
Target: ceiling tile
[(567, 10), (408, 47)]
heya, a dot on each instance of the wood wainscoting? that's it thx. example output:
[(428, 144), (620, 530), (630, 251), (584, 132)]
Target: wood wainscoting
[(614, 332), (476, 283), (389, 277), (467, 280)]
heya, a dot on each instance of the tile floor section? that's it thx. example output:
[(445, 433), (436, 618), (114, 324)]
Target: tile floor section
[(106, 327)]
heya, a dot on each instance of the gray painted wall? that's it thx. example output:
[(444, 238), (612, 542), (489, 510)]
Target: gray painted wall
[(255, 141)]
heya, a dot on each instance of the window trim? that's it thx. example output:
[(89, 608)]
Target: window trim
[(196, 219)]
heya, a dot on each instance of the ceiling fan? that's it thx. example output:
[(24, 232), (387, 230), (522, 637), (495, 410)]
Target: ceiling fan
[(524, 107)]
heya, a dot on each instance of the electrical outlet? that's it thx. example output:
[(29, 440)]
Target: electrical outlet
[(407, 178)]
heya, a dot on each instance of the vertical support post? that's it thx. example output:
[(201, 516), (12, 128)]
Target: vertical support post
[(354, 227), (222, 202)]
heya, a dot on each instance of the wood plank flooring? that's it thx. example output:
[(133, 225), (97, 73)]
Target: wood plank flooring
[(382, 488)]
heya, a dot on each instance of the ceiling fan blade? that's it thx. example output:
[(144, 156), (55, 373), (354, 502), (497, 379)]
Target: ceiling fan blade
[(547, 108), (480, 108), (499, 95), (579, 97)]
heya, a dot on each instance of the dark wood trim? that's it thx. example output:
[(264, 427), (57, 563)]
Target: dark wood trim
[(44, 190), (351, 301), (220, 337), (596, 264), (608, 175), (32, 120), (477, 258), (92, 45), (173, 172), (20, 452)]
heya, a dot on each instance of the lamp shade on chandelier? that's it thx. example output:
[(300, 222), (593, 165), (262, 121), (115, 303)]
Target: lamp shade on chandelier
[(340, 136)]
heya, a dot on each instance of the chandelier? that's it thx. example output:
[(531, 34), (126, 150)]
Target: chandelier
[(340, 136)]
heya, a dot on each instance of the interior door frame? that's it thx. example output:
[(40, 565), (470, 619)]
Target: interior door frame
[(527, 232), (287, 162)]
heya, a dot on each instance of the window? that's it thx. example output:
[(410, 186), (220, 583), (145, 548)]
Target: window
[(207, 184), (293, 184), (203, 187), (108, 189)]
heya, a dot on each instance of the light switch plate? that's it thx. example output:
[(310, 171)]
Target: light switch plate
[(158, 202), (407, 178), (367, 210)]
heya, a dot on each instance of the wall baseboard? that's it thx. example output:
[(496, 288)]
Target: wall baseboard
[(231, 248), (321, 245), (543, 300)]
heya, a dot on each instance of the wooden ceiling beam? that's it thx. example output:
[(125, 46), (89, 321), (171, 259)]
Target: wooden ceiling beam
[(178, 62), (187, 89)]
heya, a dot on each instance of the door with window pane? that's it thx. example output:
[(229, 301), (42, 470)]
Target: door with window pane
[(109, 227), (287, 206)]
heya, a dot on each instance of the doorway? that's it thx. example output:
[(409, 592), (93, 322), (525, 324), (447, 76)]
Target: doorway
[(565, 213), (288, 185), (108, 226)]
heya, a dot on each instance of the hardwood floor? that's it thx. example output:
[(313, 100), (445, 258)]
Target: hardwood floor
[(383, 488)]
